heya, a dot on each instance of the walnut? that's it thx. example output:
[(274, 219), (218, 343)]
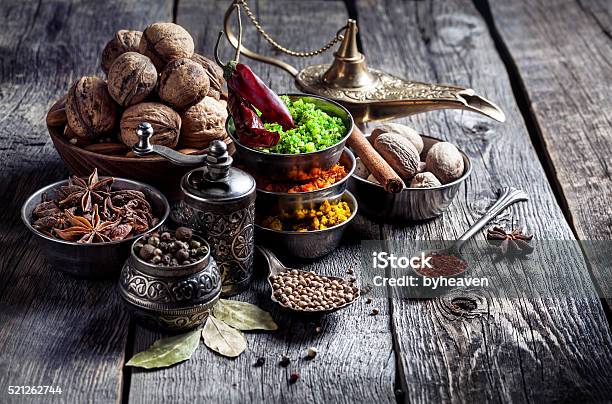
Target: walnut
[(215, 75), (165, 41), (131, 78), (202, 123), (57, 113), (412, 135), (124, 41), (183, 83), (424, 180), (445, 162), (165, 121), (399, 152), (90, 109)]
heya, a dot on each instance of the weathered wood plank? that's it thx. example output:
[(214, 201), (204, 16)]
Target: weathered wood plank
[(505, 349), (356, 361), (55, 330), (564, 56)]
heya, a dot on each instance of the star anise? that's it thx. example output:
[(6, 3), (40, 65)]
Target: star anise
[(83, 230), (92, 191), (513, 242)]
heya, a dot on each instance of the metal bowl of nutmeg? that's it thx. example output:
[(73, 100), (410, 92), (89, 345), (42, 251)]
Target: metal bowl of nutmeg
[(432, 170)]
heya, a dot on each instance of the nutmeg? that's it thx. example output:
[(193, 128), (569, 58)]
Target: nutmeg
[(402, 130), (399, 152), (215, 75), (165, 41), (124, 41), (202, 123), (90, 110), (183, 83), (165, 121), (424, 180), (445, 161), (131, 78)]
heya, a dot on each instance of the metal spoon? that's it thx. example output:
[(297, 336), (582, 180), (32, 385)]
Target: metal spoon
[(276, 267), (507, 197)]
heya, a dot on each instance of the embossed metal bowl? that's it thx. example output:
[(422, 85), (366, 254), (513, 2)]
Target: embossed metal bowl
[(276, 201), (294, 167), (307, 244), (99, 260), (411, 204), (170, 298)]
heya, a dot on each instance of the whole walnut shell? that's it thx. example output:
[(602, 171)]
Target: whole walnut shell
[(131, 78), (165, 121), (165, 41), (202, 123), (124, 41), (399, 152), (402, 130), (90, 109), (183, 83), (445, 161), (424, 180), (215, 75)]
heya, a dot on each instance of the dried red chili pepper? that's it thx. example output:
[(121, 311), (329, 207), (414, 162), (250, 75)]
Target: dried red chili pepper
[(241, 79), (249, 127), (246, 91)]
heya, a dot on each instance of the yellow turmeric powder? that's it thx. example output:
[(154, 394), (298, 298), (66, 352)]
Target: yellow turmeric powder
[(328, 214)]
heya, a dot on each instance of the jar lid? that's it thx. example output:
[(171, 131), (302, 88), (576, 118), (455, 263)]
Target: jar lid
[(199, 185), (217, 181)]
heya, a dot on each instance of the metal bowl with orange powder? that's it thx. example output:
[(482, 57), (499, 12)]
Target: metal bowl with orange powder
[(330, 185)]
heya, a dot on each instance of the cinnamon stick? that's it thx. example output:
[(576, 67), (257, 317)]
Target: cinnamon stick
[(377, 166)]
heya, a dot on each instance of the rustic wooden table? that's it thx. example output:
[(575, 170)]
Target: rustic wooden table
[(547, 64)]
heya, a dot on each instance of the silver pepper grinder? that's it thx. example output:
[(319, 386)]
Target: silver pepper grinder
[(219, 202)]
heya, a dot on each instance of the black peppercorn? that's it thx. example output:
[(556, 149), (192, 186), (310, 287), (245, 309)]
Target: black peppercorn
[(260, 362), (285, 361), (182, 255), (183, 233)]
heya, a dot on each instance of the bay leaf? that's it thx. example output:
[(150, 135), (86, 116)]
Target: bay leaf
[(244, 316), (222, 338), (167, 351)]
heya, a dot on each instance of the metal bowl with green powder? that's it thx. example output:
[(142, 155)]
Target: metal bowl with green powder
[(315, 144), (314, 129)]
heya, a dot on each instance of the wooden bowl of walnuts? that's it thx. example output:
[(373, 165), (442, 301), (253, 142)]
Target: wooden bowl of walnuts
[(151, 76)]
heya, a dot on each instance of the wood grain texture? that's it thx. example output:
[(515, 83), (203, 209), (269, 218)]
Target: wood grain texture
[(355, 361), (504, 349), (54, 330), (563, 55)]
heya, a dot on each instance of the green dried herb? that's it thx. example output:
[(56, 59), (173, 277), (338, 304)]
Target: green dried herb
[(243, 316), (222, 338), (167, 351)]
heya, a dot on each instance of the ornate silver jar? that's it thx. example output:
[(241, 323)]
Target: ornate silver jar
[(171, 298), (219, 202)]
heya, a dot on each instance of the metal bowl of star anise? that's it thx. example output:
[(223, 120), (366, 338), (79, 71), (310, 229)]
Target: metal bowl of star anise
[(85, 226)]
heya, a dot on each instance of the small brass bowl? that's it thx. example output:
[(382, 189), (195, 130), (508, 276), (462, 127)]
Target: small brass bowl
[(173, 299)]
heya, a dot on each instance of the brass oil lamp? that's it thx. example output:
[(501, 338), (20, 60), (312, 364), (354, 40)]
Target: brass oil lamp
[(369, 94)]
